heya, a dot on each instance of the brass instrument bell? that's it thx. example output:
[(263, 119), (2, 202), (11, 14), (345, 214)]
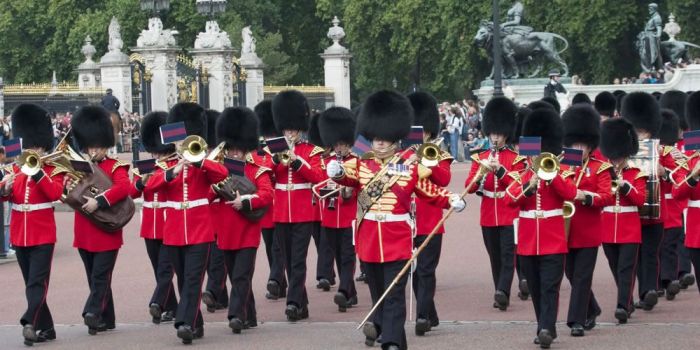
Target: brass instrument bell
[(546, 165), (193, 149)]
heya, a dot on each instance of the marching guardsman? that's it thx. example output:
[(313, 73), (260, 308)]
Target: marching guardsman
[(592, 180), (94, 134), (274, 255), (428, 215), (32, 225), (542, 244), (325, 273), (295, 172), (188, 232), (621, 227), (688, 188), (673, 223), (491, 172), (337, 130), (386, 179), (642, 111), (238, 237), (163, 303), (215, 295)]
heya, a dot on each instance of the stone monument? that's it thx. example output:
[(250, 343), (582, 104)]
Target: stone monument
[(649, 41), (253, 67), (159, 49), (214, 55), (337, 65), (88, 72), (115, 71)]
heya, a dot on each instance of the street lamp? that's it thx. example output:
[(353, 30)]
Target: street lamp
[(210, 7), (155, 6)]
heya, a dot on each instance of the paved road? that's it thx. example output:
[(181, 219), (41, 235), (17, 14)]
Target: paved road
[(464, 302)]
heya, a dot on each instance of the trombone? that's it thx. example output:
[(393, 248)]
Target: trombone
[(546, 166), (193, 149), (429, 153)]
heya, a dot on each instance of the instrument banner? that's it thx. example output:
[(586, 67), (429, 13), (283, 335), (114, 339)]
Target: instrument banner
[(145, 166), (530, 146), (13, 147), (415, 137), (81, 166), (361, 146), (691, 140), (173, 132), (235, 167), (573, 157), (647, 159), (277, 145)]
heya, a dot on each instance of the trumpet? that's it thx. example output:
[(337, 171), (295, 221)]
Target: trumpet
[(429, 153), (546, 166), (193, 149)]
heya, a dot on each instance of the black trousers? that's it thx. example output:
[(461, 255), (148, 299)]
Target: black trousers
[(216, 276), (390, 316), (98, 268), (294, 242), (648, 272), (694, 254), (580, 264), (424, 280), (683, 257), (324, 252), (499, 242), (338, 242), (623, 259), (544, 274), (268, 235), (668, 257), (277, 267), (35, 264), (190, 264), (164, 293), (240, 265)]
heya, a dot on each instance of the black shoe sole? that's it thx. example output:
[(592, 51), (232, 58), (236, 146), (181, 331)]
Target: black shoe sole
[(650, 300), (621, 316), (545, 340), (370, 332), (687, 280), (292, 314), (422, 327), (186, 336), (236, 326)]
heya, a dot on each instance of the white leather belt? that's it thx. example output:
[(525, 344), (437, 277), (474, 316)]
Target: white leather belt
[(540, 214), (153, 205), (292, 187), (497, 195), (620, 209), (694, 204), (668, 196), (186, 205), (31, 207), (380, 217)]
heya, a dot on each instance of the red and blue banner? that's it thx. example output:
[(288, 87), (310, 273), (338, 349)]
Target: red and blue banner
[(361, 146), (234, 166), (13, 147), (174, 132), (572, 157), (415, 137), (145, 166), (530, 146), (691, 140), (277, 145)]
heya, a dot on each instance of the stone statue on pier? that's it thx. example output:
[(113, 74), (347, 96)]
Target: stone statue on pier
[(248, 40), (649, 41), (156, 36)]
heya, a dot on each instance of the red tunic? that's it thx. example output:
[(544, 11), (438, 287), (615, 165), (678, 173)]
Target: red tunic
[(234, 231), (541, 227), (427, 214), (187, 214), (152, 209), (688, 189), (265, 160), (620, 221), (34, 226), (494, 208), (345, 210), (674, 208), (293, 188), (593, 177), (384, 235), (88, 236)]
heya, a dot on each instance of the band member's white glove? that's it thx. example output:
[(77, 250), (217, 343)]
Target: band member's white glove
[(457, 202), (334, 169)]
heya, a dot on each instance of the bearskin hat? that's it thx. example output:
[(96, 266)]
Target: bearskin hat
[(540, 104), (581, 125), (238, 127), (520, 117), (267, 124), (337, 125), (554, 102), (92, 127), (692, 110), (580, 98), (619, 96), (499, 117), (32, 124), (545, 123), (642, 110), (314, 134), (605, 104), (290, 111), (618, 139), (670, 127), (425, 112), (656, 94), (675, 101), (150, 133), (194, 117), (385, 115), (212, 116)]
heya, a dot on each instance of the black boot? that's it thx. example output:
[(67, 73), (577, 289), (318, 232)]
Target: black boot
[(46, 335), (545, 338), (370, 332), (185, 333), (422, 326), (577, 330), (29, 334), (156, 313), (621, 315), (501, 300), (524, 291), (324, 284), (236, 325)]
